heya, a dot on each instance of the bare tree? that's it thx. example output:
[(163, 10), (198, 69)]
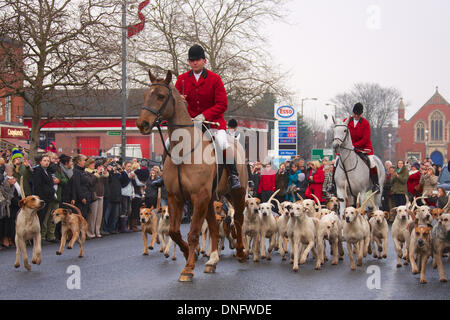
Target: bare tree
[(228, 30), (380, 108), (66, 44)]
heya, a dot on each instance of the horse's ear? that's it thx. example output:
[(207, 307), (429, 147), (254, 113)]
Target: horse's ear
[(347, 120), (152, 77), (168, 79)]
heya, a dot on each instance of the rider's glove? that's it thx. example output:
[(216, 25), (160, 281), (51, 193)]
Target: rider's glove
[(200, 118)]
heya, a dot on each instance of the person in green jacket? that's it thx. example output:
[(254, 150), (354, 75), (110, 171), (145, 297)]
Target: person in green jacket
[(23, 169), (399, 181)]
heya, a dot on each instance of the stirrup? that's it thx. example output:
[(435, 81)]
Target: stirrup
[(375, 188), (234, 182)]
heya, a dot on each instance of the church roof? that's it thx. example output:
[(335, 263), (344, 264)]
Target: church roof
[(436, 99)]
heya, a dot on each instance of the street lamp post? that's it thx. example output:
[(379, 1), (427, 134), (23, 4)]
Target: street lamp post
[(426, 144), (335, 109), (305, 99), (390, 146)]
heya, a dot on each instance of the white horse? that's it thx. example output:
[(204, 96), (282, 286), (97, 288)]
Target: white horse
[(357, 179)]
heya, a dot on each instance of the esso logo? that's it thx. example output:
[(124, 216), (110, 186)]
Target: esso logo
[(285, 112)]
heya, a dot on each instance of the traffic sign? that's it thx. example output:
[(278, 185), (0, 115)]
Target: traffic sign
[(114, 133)]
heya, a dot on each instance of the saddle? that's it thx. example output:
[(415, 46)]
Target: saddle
[(364, 158)]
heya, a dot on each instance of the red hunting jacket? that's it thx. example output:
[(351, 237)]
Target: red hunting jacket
[(317, 183), (361, 135), (207, 96), (267, 181)]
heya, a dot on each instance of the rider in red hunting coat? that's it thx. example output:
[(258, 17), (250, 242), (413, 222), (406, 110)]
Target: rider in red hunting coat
[(206, 99), (359, 129), (360, 133)]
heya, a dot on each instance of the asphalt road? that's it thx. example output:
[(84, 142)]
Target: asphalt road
[(114, 268)]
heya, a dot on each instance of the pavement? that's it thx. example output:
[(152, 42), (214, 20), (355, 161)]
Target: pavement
[(114, 268)]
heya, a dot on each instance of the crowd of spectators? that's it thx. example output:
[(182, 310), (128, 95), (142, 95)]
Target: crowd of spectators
[(107, 191)]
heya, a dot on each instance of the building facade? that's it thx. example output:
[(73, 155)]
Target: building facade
[(90, 122), (12, 130), (427, 133)]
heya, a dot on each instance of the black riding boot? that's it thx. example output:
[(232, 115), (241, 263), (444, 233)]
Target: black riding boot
[(233, 176), (332, 188), (374, 179)]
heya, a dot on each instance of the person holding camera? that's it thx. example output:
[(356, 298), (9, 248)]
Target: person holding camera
[(112, 203), (97, 176), (429, 181), (295, 179), (9, 207), (81, 195), (126, 177), (43, 186)]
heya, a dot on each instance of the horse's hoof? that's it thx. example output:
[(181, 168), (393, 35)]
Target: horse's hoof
[(166, 255), (210, 268), (443, 280), (151, 248), (80, 256), (69, 248), (16, 266), (174, 258), (187, 277), (58, 253), (399, 265), (145, 254)]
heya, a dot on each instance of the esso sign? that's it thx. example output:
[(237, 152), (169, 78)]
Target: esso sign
[(285, 112)]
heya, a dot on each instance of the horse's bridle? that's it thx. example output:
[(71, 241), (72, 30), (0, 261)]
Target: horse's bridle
[(158, 113), (345, 138)]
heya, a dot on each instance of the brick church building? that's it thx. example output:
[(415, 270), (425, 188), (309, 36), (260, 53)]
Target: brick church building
[(427, 133)]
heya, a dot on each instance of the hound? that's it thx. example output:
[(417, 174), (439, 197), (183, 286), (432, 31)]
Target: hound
[(357, 232), (28, 228), (269, 228), (282, 224), (422, 247), (379, 232), (330, 229), (73, 227), (440, 236), (400, 233), (163, 233), (149, 225), (251, 228), (303, 232), (333, 204)]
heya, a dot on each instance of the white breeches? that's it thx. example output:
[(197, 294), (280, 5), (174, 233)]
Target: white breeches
[(220, 136), (371, 160)]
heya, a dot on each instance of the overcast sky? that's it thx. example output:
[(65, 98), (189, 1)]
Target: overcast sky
[(328, 45)]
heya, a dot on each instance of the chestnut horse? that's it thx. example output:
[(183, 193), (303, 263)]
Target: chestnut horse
[(186, 179)]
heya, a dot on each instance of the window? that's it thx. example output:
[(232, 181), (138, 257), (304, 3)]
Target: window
[(420, 131), (437, 133), (8, 109)]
